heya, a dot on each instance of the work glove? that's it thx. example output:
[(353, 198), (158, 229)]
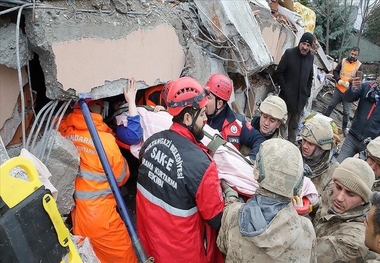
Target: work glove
[(340, 82), (297, 201), (346, 84), (227, 190)]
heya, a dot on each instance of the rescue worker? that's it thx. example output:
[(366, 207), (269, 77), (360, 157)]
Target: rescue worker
[(372, 229), (372, 156), (267, 228), (95, 215), (232, 126), (316, 148), (340, 228), (273, 114), (179, 197), (344, 72)]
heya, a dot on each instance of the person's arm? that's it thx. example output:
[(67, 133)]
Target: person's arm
[(130, 96), (355, 90), (310, 80), (209, 197), (132, 133), (252, 138), (116, 160), (343, 248), (281, 70), (336, 71)]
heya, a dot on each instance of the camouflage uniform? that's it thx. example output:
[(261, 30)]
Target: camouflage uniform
[(267, 228), (372, 151), (287, 238), (340, 237)]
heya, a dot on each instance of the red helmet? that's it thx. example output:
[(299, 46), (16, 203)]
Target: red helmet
[(183, 92), (220, 85)]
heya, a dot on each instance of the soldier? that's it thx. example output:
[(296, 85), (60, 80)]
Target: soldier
[(316, 148), (340, 228), (372, 229), (372, 156), (274, 113), (267, 228)]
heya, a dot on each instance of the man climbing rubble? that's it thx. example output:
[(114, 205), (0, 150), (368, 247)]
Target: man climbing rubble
[(95, 215), (267, 228), (273, 114), (179, 197), (232, 126)]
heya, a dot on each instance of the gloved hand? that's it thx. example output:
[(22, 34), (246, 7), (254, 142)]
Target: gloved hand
[(227, 190), (297, 201), (346, 84), (340, 82)]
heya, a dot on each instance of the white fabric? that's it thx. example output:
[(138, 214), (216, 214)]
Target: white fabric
[(231, 166), (43, 171)]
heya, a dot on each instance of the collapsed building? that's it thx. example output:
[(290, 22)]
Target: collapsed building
[(55, 52)]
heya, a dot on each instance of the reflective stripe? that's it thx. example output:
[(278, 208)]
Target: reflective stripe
[(101, 177), (92, 176), (85, 195), (123, 174), (168, 208)]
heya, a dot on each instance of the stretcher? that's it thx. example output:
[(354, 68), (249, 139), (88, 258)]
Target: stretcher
[(31, 227), (234, 168)]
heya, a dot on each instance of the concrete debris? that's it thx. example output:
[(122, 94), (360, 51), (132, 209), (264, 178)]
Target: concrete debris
[(8, 55), (96, 50), (63, 164), (232, 26)]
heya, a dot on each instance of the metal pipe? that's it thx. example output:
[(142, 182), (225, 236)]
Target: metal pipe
[(112, 181)]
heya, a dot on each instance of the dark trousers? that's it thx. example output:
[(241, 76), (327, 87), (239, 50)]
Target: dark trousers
[(290, 129), (337, 98), (351, 146)]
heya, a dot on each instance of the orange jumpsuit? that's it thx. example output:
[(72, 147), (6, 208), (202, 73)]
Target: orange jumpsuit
[(95, 215)]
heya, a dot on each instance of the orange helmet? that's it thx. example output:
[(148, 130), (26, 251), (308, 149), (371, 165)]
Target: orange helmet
[(220, 85), (183, 92)]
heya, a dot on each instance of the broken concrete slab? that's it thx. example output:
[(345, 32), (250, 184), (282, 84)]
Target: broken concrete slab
[(9, 91), (8, 55), (63, 164), (78, 55), (232, 25)]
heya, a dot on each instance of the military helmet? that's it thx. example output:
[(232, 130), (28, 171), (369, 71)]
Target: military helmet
[(275, 107), (279, 167), (318, 131), (373, 149)]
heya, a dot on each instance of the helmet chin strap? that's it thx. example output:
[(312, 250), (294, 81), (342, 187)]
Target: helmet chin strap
[(216, 109), (192, 125)]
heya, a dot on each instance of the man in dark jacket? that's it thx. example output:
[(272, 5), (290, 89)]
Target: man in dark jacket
[(366, 122), (295, 77)]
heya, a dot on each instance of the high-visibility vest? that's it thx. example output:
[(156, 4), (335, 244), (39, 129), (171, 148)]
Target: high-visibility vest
[(347, 73)]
